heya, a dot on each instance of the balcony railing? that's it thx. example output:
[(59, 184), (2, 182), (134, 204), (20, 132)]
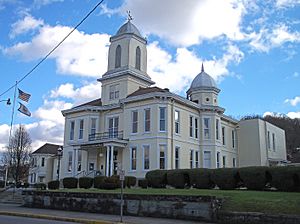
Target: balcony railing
[(106, 136)]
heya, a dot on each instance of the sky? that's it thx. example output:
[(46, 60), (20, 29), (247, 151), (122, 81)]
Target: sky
[(251, 48)]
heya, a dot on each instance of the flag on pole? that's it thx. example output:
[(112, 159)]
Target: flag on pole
[(24, 110), (23, 96)]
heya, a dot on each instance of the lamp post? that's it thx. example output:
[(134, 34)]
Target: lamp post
[(59, 154), (7, 101)]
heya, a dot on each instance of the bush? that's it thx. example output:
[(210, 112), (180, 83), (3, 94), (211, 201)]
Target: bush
[(143, 183), (40, 186), (2, 183), (86, 182), (226, 178), (285, 178), (25, 184), (98, 181), (70, 182), (157, 178), (200, 178), (107, 183), (254, 178), (130, 181), (178, 178), (53, 185)]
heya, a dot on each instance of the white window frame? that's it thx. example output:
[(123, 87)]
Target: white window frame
[(72, 130), (196, 127), (177, 159), (114, 92), (233, 138), (217, 129), (165, 156), (144, 157), (218, 160), (223, 135), (147, 121), (164, 120), (177, 121), (131, 158), (79, 160), (197, 159), (70, 162), (134, 123), (93, 130), (273, 142), (81, 129), (191, 125), (208, 151), (207, 129), (192, 162)]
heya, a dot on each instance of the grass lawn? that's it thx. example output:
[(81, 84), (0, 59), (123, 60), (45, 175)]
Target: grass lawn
[(235, 200)]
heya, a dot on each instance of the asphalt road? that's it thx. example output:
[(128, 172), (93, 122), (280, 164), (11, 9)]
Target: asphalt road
[(5, 219)]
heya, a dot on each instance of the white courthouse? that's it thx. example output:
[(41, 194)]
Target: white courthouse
[(140, 127)]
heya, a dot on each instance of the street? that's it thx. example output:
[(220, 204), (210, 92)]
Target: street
[(5, 219)]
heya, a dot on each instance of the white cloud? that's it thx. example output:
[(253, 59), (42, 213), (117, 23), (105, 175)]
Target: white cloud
[(26, 24), (293, 114), (195, 20), (45, 2), (287, 3), (294, 101), (81, 54)]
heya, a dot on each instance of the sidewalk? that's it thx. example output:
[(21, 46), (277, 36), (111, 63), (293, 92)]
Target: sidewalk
[(83, 217)]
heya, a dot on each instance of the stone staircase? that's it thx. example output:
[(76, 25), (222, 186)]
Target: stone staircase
[(11, 197)]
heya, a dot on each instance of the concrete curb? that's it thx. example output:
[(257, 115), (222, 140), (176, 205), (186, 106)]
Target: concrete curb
[(57, 218)]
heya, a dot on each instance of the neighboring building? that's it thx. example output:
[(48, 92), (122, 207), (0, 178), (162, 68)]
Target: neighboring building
[(44, 164), (139, 127)]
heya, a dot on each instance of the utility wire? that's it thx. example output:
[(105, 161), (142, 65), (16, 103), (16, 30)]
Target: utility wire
[(50, 52)]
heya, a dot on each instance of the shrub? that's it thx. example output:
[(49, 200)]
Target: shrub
[(98, 181), (285, 178), (200, 178), (143, 183), (108, 183), (226, 178), (130, 181), (86, 182), (40, 186), (157, 178), (2, 183), (53, 185), (25, 184), (70, 182), (178, 178), (254, 178)]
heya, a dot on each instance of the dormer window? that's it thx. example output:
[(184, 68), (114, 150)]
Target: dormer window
[(114, 92), (207, 99), (138, 58), (118, 57)]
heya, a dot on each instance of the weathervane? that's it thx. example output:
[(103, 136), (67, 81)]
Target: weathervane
[(129, 16)]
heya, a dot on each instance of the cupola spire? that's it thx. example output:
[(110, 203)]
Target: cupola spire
[(202, 68)]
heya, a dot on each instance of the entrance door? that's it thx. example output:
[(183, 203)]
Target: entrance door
[(113, 126)]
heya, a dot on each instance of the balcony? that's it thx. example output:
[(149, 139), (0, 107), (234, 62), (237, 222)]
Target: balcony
[(111, 135)]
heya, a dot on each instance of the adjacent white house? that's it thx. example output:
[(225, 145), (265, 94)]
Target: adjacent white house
[(139, 127)]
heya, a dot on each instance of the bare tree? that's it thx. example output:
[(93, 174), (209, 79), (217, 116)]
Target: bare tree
[(17, 154)]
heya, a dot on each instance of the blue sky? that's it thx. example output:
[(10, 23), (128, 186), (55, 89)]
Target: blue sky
[(250, 47)]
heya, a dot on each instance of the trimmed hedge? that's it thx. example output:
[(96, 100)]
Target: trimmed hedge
[(254, 178), (98, 181), (200, 178), (226, 178), (86, 182), (130, 181), (107, 183), (285, 178), (178, 178), (53, 185), (2, 183), (40, 186), (157, 178), (70, 182), (143, 183)]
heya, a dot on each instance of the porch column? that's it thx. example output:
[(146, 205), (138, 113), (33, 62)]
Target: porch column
[(107, 161), (111, 160)]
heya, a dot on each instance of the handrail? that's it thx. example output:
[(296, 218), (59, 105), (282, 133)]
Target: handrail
[(83, 171), (106, 135)]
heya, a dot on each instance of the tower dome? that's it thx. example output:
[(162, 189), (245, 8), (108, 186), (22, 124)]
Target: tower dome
[(203, 81), (128, 28)]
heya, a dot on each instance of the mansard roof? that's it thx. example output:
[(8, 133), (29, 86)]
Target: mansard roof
[(48, 148)]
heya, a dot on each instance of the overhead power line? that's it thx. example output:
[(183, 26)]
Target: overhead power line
[(50, 52)]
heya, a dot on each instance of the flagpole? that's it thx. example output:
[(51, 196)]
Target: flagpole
[(13, 112)]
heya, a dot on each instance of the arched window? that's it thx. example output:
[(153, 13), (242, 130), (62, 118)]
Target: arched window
[(118, 57), (138, 58)]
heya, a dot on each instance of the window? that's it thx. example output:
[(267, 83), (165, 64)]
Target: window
[(207, 159), (118, 57), (43, 161), (223, 135), (93, 128), (162, 157), (134, 121), (273, 140), (70, 161), (146, 157), (177, 157), (138, 58), (196, 159), (72, 129), (233, 138), (133, 158), (80, 130), (191, 127), (218, 160), (233, 162), (206, 130), (224, 161), (114, 92), (162, 119), (268, 140), (79, 159), (196, 127), (147, 120), (177, 120), (113, 125), (217, 129), (192, 159)]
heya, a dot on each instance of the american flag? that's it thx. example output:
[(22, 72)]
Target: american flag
[(23, 96), (24, 110)]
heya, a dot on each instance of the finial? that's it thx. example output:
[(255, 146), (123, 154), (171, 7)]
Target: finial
[(202, 68), (129, 16)]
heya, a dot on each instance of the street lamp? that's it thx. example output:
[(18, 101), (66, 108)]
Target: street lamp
[(59, 154), (7, 101)]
